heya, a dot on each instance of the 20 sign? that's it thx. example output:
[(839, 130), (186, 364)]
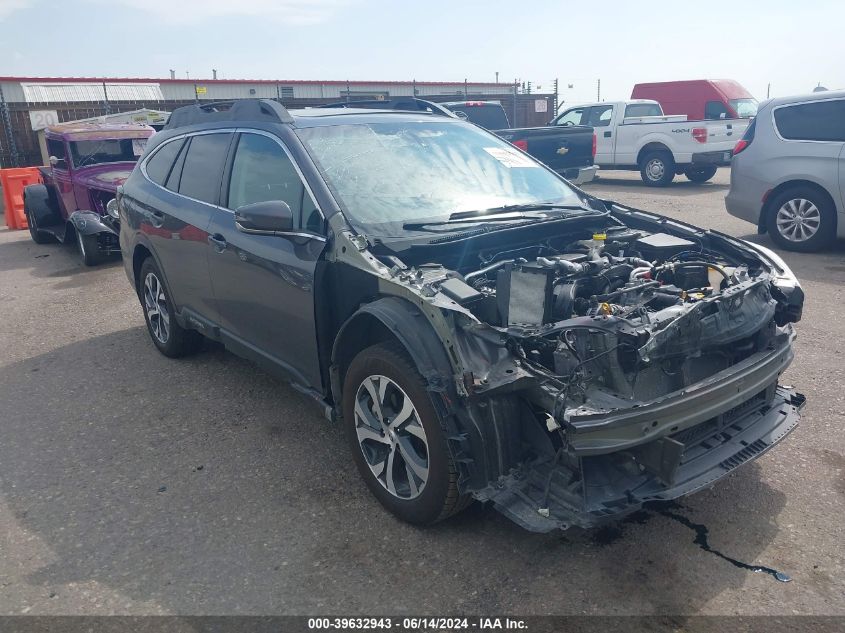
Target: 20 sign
[(43, 118)]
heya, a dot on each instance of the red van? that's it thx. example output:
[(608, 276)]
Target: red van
[(700, 98)]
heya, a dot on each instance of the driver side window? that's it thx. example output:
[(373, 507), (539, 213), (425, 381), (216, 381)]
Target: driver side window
[(262, 171), (56, 148), (571, 117)]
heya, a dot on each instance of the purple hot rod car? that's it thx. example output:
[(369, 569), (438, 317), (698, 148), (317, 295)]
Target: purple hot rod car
[(88, 161)]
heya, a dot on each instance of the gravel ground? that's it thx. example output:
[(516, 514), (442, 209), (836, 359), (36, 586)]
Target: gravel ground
[(134, 484)]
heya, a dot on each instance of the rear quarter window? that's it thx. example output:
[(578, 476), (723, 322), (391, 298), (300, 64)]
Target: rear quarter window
[(643, 109), (159, 164), (820, 121), (490, 117)]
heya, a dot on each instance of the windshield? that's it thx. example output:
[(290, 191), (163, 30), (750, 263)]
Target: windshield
[(106, 151), (387, 174), (744, 108)]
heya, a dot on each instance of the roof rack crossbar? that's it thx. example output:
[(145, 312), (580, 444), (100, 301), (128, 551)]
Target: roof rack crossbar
[(235, 110)]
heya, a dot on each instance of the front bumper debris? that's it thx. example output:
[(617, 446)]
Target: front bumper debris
[(580, 175), (543, 495)]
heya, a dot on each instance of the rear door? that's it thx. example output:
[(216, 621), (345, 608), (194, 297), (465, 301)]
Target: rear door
[(600, 118), (263, 284), (188, 173)]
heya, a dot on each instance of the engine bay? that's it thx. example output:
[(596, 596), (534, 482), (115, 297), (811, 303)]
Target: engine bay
[(622, 315)]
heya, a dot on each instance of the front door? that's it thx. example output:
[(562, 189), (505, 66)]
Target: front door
[(264, 284), (60, 167)]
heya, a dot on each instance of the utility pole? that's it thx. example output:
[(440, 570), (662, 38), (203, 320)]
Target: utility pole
[(466, 91), (556, 97), (497, 76), (768, 90), (598, 90), (196, 94), (7, 125), (515, 88)]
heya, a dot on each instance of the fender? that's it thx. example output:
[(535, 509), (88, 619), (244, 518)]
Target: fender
[(412, 330), (89, 223), (38, 202)]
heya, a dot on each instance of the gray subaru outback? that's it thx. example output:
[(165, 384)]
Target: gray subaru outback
[(479, 327)]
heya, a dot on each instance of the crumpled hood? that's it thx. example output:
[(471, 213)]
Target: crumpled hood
[(104, 177)]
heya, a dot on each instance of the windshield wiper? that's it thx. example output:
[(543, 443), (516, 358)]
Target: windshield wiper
[(529, 206), (499, 214)]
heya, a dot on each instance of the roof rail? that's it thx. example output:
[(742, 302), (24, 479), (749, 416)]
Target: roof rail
[(236, 110), (409, 104)]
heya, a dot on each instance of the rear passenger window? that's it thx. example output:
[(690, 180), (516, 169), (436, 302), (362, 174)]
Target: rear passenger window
[(262, 171), (715, 110), (159, 164), (203, 167), (821, 121)]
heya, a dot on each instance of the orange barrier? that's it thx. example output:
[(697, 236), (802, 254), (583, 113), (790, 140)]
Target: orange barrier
[(13, 182)]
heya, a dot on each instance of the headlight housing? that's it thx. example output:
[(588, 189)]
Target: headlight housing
[(111, 208)]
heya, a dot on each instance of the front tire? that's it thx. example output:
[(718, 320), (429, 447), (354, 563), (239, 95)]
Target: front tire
[(168, 336), (801, 219), (657, 169), (700, 174), (89, 250), (396, 436)]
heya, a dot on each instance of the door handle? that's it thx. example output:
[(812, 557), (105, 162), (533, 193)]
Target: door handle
[(607, 134), (218, 242), (156, 218)]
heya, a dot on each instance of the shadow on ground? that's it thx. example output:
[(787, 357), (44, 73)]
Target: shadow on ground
[(207, 486)]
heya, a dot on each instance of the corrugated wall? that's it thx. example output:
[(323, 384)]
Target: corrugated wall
[(83, 99)]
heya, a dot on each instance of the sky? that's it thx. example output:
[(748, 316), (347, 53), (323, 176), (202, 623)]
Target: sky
[(784, 47)]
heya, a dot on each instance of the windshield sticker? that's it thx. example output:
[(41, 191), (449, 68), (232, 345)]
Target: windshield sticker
[(510, 157)]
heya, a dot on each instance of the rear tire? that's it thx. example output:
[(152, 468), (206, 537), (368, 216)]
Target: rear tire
[(89, 251), (700, 174), (657, 169), (801, 219), (168, 336), (397, 439)]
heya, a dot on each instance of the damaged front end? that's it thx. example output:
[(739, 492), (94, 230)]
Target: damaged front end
[(613, 365)]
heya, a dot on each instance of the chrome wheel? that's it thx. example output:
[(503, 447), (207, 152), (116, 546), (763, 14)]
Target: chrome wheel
[(654, 169), (155, 305), (391, 437), (798, 220)]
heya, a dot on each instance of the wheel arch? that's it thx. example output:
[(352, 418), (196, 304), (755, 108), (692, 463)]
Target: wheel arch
[(391, 318), (794, 184), (653, 146)]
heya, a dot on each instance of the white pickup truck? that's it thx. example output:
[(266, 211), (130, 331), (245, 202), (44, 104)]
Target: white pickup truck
[(636, 135)]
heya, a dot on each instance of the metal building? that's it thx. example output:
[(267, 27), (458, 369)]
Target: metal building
[(29, 104)]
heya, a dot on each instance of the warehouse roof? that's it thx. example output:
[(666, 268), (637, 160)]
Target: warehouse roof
[(154, 80)]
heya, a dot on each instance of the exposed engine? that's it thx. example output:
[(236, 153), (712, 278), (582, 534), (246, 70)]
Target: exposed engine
[(632, 314)]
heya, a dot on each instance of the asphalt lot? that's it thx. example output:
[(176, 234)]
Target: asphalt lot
[(130, 483)]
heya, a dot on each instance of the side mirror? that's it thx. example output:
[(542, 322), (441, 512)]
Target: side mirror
[(57, 162), (272, 216)]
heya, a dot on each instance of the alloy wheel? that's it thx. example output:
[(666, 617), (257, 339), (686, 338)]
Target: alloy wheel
[(391, 437), (798, 220), (155, 304)]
